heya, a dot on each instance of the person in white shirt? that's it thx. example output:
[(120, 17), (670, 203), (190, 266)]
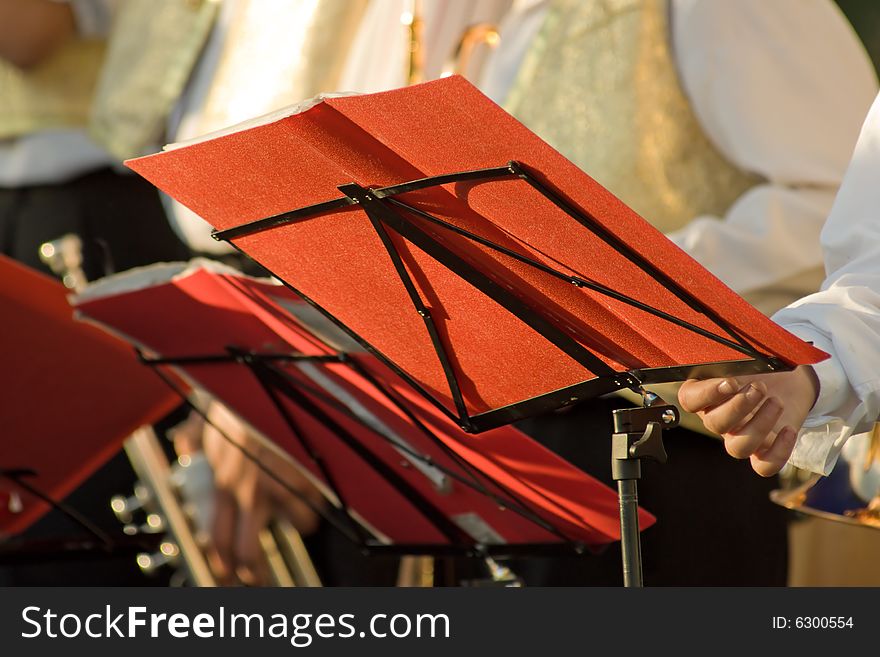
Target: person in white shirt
[(806, 416), (55, 178), (779, 89), (728, 126)]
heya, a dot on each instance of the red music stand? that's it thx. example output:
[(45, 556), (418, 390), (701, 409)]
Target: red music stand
[(403, 478), (475, 261), (70, 395)]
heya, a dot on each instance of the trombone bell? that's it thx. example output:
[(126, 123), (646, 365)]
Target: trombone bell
[(850, 494)]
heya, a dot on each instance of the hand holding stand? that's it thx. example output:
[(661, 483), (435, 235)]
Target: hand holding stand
[(638, 434)]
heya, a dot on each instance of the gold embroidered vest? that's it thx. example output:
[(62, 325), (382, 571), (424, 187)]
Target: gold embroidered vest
[(152, 50), (55, 94), (155, 46), (600, 85), (121, 90)]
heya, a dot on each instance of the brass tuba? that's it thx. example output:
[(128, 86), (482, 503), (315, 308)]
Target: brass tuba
[(850, 494), (473, 37)]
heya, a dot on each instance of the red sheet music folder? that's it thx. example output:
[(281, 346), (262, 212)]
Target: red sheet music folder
[(69, 393), (201, 312), (546, 237)]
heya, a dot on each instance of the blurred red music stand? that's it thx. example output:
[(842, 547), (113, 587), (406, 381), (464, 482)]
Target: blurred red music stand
[(71, 395), (389, 461), (490, 273)]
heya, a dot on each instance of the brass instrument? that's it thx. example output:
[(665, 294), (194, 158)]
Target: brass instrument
[(415, 572), (412, 19), (174, 498), (157, 495), (837, 497), (474, 36), (64, 257), (480, 34)]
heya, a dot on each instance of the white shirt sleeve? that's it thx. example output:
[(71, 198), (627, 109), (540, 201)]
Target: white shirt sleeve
[(781, 89), (843, 318), (518, 29)]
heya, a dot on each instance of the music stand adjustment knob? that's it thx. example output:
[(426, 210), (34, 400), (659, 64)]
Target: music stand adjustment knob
[(638, 434), (650, 445)]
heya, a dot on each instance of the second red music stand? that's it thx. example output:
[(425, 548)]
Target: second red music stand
[(403, 477)]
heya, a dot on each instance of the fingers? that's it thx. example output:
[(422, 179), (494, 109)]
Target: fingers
[(736, 410), (749, 438), (767, 462), (187, 435), (298, 509), (300, 515), (695, 396), (749, 411)]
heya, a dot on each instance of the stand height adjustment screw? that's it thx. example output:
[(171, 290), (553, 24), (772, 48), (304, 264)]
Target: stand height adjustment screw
[(650, 445)]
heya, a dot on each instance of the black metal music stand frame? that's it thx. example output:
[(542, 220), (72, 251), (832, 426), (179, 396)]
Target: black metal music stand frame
[(386, 212), (279, 385)]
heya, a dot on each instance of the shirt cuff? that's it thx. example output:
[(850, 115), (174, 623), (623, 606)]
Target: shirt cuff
[(818, 448), (834, 387), (824, 433)]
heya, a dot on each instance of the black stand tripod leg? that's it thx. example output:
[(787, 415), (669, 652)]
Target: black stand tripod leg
[(630, 540), (638, 434), (626, 470)]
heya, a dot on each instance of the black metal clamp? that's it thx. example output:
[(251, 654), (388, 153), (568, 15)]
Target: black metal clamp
[(638, 434)]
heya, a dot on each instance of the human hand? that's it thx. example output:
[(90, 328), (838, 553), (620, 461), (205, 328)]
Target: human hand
[(758, 416), (246, 497)]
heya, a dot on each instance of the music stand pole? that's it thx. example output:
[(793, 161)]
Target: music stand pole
[(638, 434)]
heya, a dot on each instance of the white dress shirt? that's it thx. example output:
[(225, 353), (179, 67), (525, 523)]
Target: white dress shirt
[(843, 318), (781, 89)]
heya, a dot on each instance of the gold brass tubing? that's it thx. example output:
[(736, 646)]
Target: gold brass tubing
[(294, 554), (416, 55), (416, 571), (151, 466), (475, 35)]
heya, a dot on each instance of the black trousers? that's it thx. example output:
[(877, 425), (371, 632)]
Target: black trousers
[(122, 224), (715, 523), (119, 218)]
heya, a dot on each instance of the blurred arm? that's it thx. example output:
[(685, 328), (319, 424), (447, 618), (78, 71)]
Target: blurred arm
[(829, 402), (31, 30), (843, 318), (781, 88)]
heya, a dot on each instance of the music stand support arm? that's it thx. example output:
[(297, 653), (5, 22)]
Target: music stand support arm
[(638, 434)]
